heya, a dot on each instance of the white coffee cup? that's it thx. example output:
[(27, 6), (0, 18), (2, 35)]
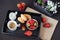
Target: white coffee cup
[(14, 28)]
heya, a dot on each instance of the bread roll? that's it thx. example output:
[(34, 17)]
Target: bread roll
[(21, 20), (23, 17), (27, 16)]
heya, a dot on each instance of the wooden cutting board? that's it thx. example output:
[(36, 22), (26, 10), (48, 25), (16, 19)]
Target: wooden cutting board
[(45, 33)]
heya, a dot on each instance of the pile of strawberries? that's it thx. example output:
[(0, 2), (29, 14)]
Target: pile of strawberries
[(21, 6), (31, 24)]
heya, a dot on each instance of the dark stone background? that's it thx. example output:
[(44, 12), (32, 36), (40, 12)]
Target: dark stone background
[(6, 5)]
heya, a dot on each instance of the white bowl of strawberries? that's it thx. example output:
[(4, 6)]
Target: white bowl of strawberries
[(32, 24)]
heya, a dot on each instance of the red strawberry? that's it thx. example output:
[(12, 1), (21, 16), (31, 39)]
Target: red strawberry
[(28, 22), (28, 33), (31, 22), (32, 27), (43, 20), (23, 28), (47, 25), (21, 6)]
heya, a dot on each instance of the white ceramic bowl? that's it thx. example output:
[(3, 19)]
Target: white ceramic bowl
[(34, 28)]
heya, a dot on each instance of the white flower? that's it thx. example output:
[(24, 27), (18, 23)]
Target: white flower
[(53, 8), (50, 3)]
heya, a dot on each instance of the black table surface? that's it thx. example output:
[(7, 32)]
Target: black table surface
[(6, 5)]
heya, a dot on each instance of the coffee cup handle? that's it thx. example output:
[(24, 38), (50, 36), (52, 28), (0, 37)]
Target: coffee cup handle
[(18, 25)]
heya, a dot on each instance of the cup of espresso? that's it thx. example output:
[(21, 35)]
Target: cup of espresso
[(12, 25)]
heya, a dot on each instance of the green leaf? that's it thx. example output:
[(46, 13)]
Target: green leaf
[(39, 1)]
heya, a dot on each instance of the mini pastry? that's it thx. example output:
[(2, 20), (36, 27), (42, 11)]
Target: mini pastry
[(21, 20), (27, 16), (23, 17)]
